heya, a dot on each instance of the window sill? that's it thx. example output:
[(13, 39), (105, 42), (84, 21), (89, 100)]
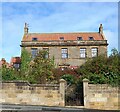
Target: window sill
[(65, 58), (83, 58)]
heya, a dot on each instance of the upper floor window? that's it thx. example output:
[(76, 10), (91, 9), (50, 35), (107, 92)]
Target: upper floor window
[(61, 38), (34, 39), (91, 38), (34, 52), (64, 52), (79, 38), (94, 52), (82, 52), (47, 52)]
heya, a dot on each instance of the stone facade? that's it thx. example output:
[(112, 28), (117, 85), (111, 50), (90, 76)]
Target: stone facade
[(101, 96), (32, 94), (54, 44)]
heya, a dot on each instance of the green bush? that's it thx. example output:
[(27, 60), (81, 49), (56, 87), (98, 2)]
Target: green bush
[(69, 79), (102, 70), (9, 73)]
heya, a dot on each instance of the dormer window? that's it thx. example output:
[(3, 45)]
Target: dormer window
[(61, 38), (34, 39), (91, 38), (79, 38)]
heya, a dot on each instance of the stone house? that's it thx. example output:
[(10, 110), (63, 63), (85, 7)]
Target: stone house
[(68, 49), (15, 62)]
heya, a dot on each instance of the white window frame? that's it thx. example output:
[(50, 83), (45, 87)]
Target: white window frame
[(47, 54), (64, 53), (94, 52), (34, 52), (79, 38), (82, 52)]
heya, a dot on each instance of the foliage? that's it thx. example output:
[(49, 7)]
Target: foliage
[(58, 73), (69, 78), (25, 63), (9, 73), (102, 69), (36, 70), (41, 69)]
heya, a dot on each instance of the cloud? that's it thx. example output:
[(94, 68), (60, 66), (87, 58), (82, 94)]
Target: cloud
[(80, 17), (55, 17)]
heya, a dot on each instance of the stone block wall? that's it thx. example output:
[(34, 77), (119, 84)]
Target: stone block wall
[(101, 96), (73, 47), (73, 54), (32, 94)]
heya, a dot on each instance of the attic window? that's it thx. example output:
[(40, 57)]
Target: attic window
[(79, 38), (34, 39), (91, 38), (61, 38)]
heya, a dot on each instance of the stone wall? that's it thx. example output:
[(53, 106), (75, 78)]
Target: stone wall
[(74, 58), (20, 92), (101, 96)]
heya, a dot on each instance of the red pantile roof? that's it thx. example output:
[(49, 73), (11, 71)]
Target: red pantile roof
[(15, 60), (67, 36)]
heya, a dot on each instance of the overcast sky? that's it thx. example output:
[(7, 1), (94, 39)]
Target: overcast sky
[(56, 17)]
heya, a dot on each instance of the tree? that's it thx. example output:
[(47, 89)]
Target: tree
[(41, 68), (114, 60), (25, 63), (70, 79), (102, 69), (59, 72), (9, 73)]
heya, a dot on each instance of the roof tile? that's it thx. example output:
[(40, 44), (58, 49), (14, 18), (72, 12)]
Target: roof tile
[(67, 36)]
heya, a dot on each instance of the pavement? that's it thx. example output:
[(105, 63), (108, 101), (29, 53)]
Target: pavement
[(35, 108)]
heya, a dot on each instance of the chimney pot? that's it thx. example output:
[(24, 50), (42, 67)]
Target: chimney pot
[(26, 28), (101, 29)]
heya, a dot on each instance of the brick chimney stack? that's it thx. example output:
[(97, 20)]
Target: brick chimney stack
[(101, 29), (26, 28)]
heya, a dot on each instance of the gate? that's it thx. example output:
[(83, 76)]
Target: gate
[(74, 96)]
